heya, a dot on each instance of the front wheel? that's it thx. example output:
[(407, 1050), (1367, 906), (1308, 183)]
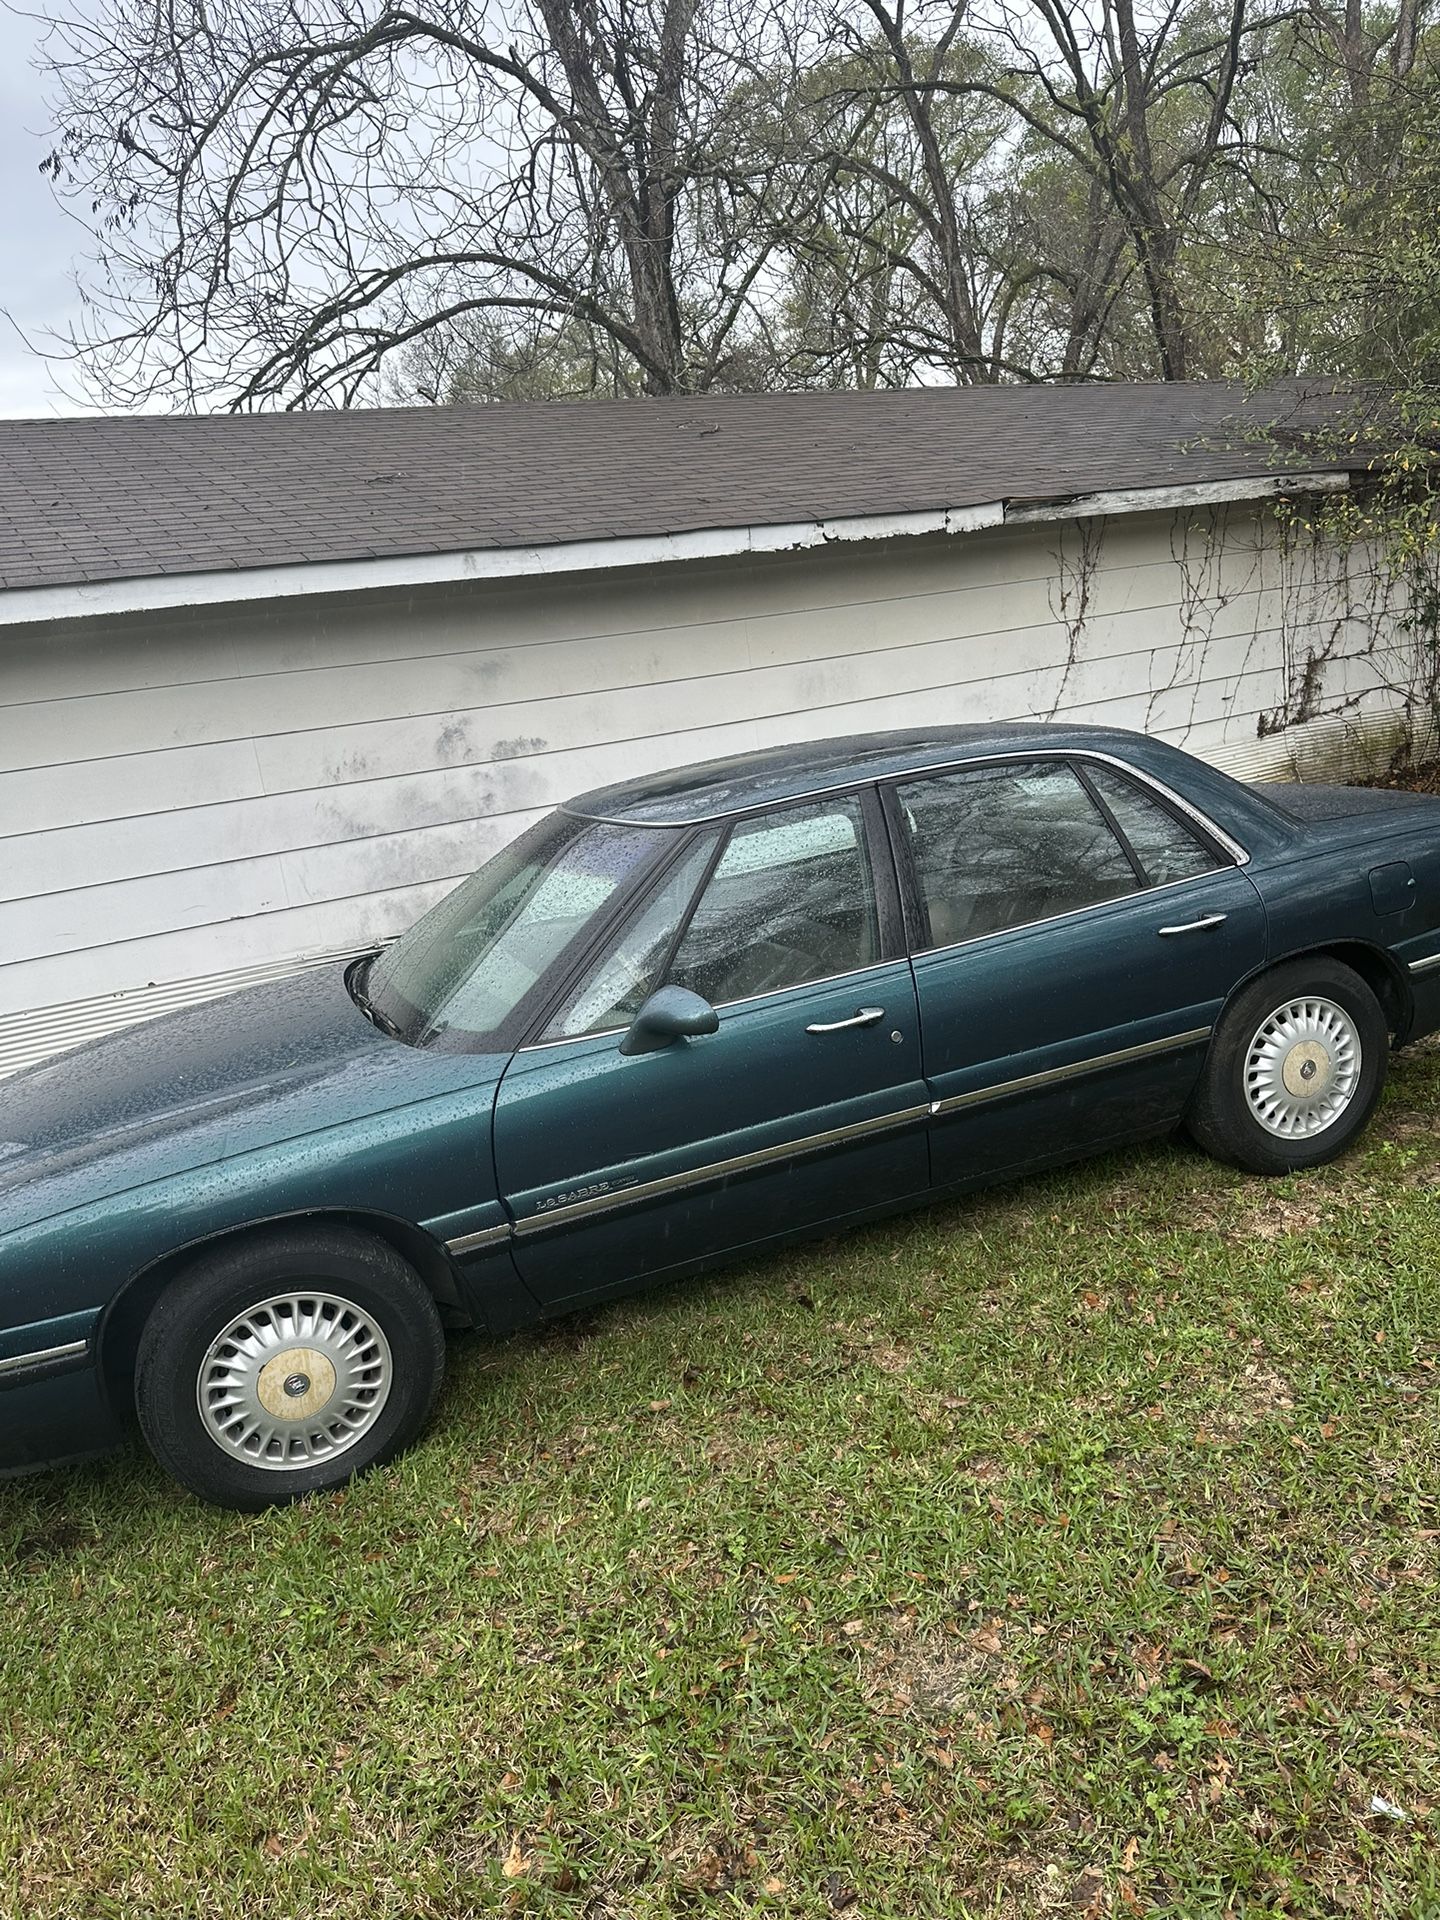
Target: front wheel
[(287, 1364), (1295, 1068)]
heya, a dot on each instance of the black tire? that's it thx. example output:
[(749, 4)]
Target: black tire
[(1222, 1118), (376, 1366)]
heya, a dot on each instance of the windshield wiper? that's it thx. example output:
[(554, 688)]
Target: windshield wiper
[(358, 974)]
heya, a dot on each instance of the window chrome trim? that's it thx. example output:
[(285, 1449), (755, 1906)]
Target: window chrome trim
[(1430, 961), (1053, 1076), (800, 986), (1239, 853), (45, 1356), (570, 1039), (716, 1170)]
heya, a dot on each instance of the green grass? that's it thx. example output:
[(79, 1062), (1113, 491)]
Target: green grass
[(1072, 1549)]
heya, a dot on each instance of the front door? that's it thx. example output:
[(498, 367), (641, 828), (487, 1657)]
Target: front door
[(806, 1106), (1079, 935)]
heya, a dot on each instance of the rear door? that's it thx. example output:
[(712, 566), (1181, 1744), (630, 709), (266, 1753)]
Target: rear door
[(1077, 932), (806, 1106)]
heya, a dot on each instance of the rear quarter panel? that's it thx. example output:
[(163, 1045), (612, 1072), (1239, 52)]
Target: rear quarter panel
[(1318, 893)]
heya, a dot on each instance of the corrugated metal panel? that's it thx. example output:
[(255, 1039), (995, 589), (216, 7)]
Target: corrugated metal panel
[(1333, 746)]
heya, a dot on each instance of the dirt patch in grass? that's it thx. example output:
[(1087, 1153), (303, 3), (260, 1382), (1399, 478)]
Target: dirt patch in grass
[(57, 1540), (1258, 1393), (1258, 1212), (1040, 1876), (938, 1674)]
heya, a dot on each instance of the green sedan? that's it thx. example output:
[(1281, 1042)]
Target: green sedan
[(679, 1021)]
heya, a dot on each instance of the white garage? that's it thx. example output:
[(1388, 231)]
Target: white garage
[(269, 685)]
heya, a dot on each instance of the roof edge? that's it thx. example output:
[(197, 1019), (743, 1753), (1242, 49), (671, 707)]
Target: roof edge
[(153, 593), (1208, 493)]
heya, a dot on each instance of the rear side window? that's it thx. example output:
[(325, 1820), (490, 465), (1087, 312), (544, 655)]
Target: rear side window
[(1164, 845), (791, 900), (1001, 846)]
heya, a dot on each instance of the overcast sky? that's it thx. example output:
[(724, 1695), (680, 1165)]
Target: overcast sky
[(35, 285)]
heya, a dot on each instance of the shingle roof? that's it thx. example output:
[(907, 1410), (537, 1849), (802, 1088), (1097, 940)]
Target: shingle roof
[(93, 499)]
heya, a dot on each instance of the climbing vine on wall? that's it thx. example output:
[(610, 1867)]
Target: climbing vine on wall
[(1216, 562), (1077, 555), (1360, 617), (1355, 640)]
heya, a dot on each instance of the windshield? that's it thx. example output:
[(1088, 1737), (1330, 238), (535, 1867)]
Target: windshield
[(465, 968)]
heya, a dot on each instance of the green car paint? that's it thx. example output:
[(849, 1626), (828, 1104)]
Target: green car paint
[(523, 1172)]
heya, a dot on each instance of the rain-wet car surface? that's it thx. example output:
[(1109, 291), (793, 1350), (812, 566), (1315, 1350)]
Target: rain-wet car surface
[(678, 1021)]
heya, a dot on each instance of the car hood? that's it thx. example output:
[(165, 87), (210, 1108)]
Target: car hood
[(271, 1063)]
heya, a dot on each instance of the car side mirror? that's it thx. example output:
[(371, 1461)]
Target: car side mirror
[(671, 1013)]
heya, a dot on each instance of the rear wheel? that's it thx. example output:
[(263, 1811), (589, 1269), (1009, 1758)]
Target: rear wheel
[(287, 1364), (1295, 1068)]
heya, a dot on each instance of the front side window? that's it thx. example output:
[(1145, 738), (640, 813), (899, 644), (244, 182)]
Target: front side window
[(616, 985), (1164, 845), (1001, 846), (466, 967), (791, 900)]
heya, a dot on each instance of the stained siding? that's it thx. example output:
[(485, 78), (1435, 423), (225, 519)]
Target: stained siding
[(182, 797)]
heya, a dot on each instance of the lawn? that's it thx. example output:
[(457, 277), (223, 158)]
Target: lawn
[(1072, 1549)]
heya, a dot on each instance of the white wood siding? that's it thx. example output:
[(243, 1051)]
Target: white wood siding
[(184, 797)]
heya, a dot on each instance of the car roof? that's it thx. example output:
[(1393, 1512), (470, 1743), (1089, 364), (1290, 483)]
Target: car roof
[(713, 789)]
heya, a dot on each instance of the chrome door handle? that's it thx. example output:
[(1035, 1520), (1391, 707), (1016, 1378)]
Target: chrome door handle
[(866, 1017), (1194, 926)]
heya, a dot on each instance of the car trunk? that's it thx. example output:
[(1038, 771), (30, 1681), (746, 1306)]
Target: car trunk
[(1305, 802)]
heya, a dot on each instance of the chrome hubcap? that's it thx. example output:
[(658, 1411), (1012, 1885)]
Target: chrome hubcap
[(1302, 1068), (294, 1380)]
